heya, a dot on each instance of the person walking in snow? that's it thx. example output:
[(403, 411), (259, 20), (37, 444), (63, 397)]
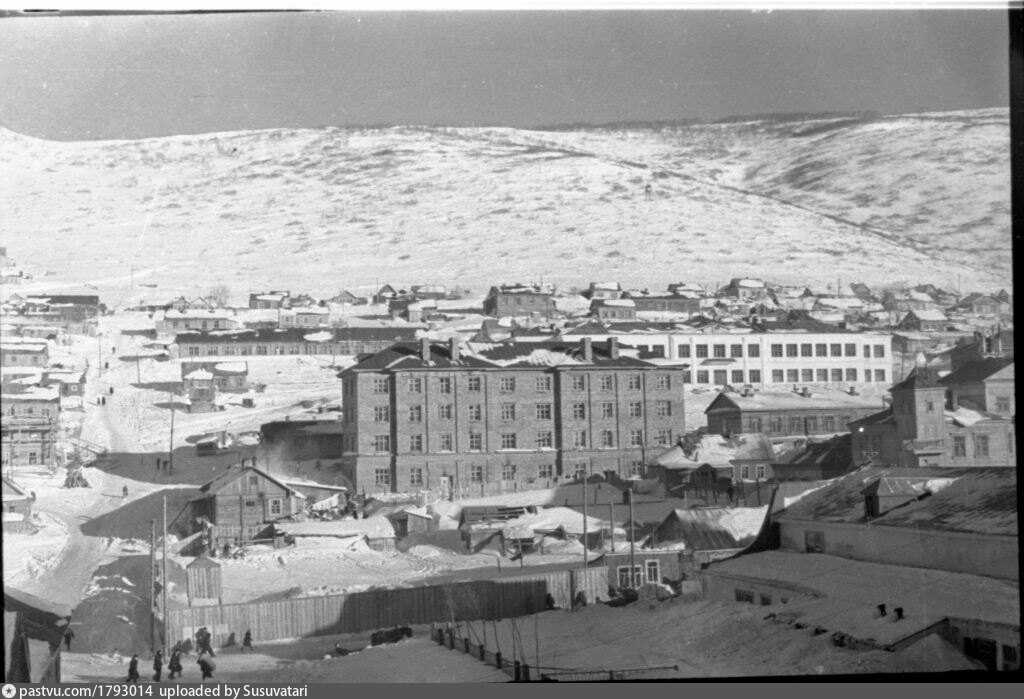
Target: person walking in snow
[(174, 664), (124, 492), (158, 665), (648, 192), (133, 670), (68, 635), (247, 641)]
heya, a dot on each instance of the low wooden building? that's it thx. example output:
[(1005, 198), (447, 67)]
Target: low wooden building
[(17, 504), (203, 582), (241, 505), (787, 413)]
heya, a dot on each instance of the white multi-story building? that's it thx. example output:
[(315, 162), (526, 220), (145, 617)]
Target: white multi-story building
[(763, 355)]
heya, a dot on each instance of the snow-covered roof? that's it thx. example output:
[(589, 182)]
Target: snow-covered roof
[(627, 303), (930, 314), (552, 519), (311, 310), (232, 367), (201, 313), (199, 375), (32, 393), (750, 283), (372, 527)]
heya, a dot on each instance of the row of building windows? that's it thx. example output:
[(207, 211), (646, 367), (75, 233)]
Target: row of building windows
[(542, 411), (981, 445), (760, 472), (797, 424), (577, 439), (806, 349), (509, 472), (507, 384), (246, 350), (721, 377)]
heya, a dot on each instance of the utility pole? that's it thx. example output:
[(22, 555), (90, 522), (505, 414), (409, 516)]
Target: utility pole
[(611, 519), (164, 571), (632, 539), (170, 446), (585, 561), (99, 352), (152, 584), (138, 370)]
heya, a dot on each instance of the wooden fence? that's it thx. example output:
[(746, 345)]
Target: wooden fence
[(379, 609)]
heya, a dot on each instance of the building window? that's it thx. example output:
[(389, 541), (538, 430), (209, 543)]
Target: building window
[(663, 382), (606, 382), (381, 476), (718, 351), (508, 472), (687, 377), (754, 425), (507, 384), (880, 375), (474, 412), (736, 351), (807, 375), (653, 569), (381, 385), (828, 423), (275, 506), (702, 351), (744, 596), (580, 472), (545, 471), (753, 351), (663, 437), (544, 440), (807, 350), (791, 350), (636, 438), (543, 411), (473, 384), (823, 375), (382, 443), (776, 350), (1002, 404), (476, 473), (444, 411), (663, 408), (879, 351), (737, 376), (778, 376), (445, 442), (720, 377), (702, 376), (867, 351), (381, 413), (415, 413), (759, 471), (607, 410), (508, 440), (775, 425), (444, 384), (755, 375), (837, 375), (744, 472), (792, 375), (508, 411), (633, 382), (579, 383), (416, 476), (851, 349), (416, 442), (415, 384), (579, 439), (476, 441), (821, 349), (543, 384), (607, 439), (981, 445), (959, 446), (851, 374), (814, 542), (796, 425), (579, 411), (684, 351), (636, 409), (836, 349)]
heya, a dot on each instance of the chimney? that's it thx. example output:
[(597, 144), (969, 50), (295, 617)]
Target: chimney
[(613, 347), (806, 393), (748, 391), (853, 390), (588, 350), (881, 610), (899, 613), (425, 349), (453, 348)]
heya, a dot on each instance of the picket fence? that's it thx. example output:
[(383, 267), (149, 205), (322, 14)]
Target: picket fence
[(381, 609)]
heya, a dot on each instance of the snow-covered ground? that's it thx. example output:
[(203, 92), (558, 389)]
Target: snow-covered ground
[(925, 197)]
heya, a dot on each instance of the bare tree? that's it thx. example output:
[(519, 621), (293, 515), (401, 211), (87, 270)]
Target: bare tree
[(220, 295)]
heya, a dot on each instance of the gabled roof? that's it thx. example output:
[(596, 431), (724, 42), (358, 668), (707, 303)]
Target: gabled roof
[(349, 334), (814, 453), (791, 400), (928, 315), (919, 377), (716, 528), (231, 475), (981, 500), (976, 370)]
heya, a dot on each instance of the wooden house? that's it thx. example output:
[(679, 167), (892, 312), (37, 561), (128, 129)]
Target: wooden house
[(17, 504), (241, 505), (927, 320), (203, 582)]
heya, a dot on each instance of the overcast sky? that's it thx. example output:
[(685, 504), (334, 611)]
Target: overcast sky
[(136, 76)]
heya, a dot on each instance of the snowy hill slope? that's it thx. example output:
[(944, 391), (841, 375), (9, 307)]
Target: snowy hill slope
[(922, 197)]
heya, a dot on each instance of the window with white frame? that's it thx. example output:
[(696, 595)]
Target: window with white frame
[(416, 476), (508, 411), (607, 439), (636, 438), (663, 382), (543, 384), (543, 411), (578, 382), (381, 413), (382, 443), (663, 408), (476, 473), (414, 384), (415, 413), (444, 411), (473, 384), (636, 409), (275, 506), (507, 384), (476, 441), (606, 382), (445, 442), (475, 412), (508, 472), (416, 442), (579, 411), (579, 439), (508, 440), (633, 382), (545, 471), (607, 410), (545, 440), (381, 476)]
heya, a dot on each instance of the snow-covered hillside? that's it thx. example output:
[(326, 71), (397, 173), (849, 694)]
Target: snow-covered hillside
[(920, 197)]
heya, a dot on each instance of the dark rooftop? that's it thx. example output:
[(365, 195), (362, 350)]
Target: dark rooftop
[(976, 370)]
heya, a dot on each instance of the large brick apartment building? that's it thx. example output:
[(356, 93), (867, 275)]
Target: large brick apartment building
[(488, 418)]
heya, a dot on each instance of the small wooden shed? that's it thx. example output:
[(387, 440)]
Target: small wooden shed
[(203, 582)]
